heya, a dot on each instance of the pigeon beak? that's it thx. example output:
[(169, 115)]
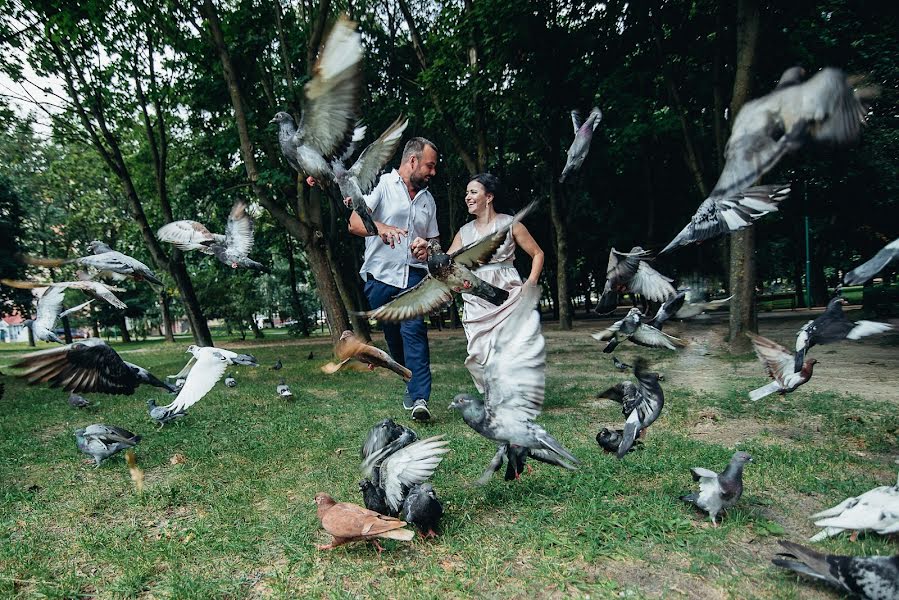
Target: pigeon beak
[(274, 120)]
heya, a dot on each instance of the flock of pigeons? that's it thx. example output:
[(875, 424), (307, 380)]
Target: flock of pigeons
[(397, 464)]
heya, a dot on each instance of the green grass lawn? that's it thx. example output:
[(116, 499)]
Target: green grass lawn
[(236, 518)]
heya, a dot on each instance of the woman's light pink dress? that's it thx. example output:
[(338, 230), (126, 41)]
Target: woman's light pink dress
[(480, 318)]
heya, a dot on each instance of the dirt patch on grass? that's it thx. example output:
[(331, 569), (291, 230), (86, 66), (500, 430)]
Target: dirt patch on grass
[(662, 578), (713, 429)]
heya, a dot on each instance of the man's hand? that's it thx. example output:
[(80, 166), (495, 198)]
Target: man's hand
[(419, 248), (348, 202), (391, 235)]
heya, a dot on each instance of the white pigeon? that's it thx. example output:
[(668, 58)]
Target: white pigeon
[(230, 381), (876, 510), (283, 390), (209, 367), (48, 311)]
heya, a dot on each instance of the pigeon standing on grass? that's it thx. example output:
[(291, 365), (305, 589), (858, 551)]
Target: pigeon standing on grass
[(76, 401), (102, 441), (331, 106), (423, 509), (449, 273), (641, 404), (351, 523), (719, 491), (833, 326), (872, 267), (780, 366), (283, 390), (621, 366), (514, 376), (232, 249), (277, 366), (230, 381), (583, 135), (867, 577)]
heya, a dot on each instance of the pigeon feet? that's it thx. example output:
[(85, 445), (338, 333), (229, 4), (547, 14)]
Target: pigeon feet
[(310, 181), (854, 536), (378, 546)]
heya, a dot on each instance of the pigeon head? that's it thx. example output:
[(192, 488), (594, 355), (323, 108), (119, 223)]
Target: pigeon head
[(282, 118), (97, 246), (632, 312), (324, 500), (462, 401), (427, 488), (192, 349), (791, 76), (365, 484), (741, 458), (347, 334)]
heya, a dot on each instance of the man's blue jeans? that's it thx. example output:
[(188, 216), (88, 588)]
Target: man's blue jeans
[(407, 340)]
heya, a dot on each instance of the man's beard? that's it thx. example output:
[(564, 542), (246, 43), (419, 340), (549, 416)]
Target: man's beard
[(418, 182)]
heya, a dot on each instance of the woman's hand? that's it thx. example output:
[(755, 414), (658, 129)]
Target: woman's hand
[(419, 248)]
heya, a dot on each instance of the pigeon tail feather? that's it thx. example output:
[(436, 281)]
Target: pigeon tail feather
[(763, 391)]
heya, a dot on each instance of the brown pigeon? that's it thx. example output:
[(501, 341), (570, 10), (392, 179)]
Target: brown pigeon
[(350, 523), (350, 347)]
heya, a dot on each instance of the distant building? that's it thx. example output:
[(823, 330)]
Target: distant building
[(12, 329)]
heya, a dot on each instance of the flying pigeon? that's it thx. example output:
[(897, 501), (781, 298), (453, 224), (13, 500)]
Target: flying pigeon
[(867, 577), (448, 273), (668, 309), (106, 260), (356, 181), (92, 288), (230, 381), (231, 358), (87, 366), (331, 106), (641, 404), (350, 347), (232, 249), (833, 326), (866, 271), (76, 401), (876, 510), (610, 441), (423, 509), (632, 328), (102, 441), (780, 365), (690, 309), (277, 366), (629, 272), (719, 491), (209, 366), (351, 523), (583, 135), (514, 377), (48, 312), (283, 390)]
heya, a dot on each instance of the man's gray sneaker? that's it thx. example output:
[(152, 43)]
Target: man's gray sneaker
[(408, 402), (420, 411)]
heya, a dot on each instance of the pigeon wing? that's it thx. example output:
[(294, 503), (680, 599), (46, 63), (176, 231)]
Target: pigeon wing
[(333, 92), (646, 335), (650, 283), (75, 309), (48, 307), (479, 252), (409, 466), (89, 366), (872, 267), (623, 266), (778, 360), (239, 232), (208, 370), (187, 235), (376, 155), (427, 296)]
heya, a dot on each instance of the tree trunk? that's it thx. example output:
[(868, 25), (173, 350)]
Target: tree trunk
[(295, 304), (557, 216), (742, 243), (167, 327), (66, 329), (123, 326), (257, 333), (305, 231)]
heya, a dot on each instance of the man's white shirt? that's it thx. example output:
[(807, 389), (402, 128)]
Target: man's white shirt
[(390, 204)]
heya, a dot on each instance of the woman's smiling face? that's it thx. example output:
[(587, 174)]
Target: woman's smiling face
[(476, 198)]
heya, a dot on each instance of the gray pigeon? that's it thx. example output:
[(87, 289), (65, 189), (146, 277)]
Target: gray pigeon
[(163, 414), (48, 311), (356, 181), (868, 577), (95, 289), (87, 366), (449, 273), (331, 106), (230, 381), (277, 366), (691, 308), (833, 326), (76, 401), (632, 328), (610, 440), (621, 366), (641, 404), (629, 272), (106, 260), (283, 390), (583, 135), (719, 492), (383, 439), (867, 270), (232, 249), (102, 441), (780, 366), (401, 470), (423, 509), (514, 376)]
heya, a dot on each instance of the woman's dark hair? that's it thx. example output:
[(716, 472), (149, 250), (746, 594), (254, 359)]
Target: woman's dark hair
[(491, 185)]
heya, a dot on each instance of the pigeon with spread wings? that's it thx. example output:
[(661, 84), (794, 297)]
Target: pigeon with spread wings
[(350, 347), (92, 288), (825, 109), (209, 367), (632, 328), (84, 367), (331, 106), (833, 326), (780, 366), (641, 404), (49, 309), (514, 385), (872, 267), (232, 249), (630, 272), (448, 273)]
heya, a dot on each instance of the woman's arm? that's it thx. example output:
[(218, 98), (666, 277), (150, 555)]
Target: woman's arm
[(526, 242)]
